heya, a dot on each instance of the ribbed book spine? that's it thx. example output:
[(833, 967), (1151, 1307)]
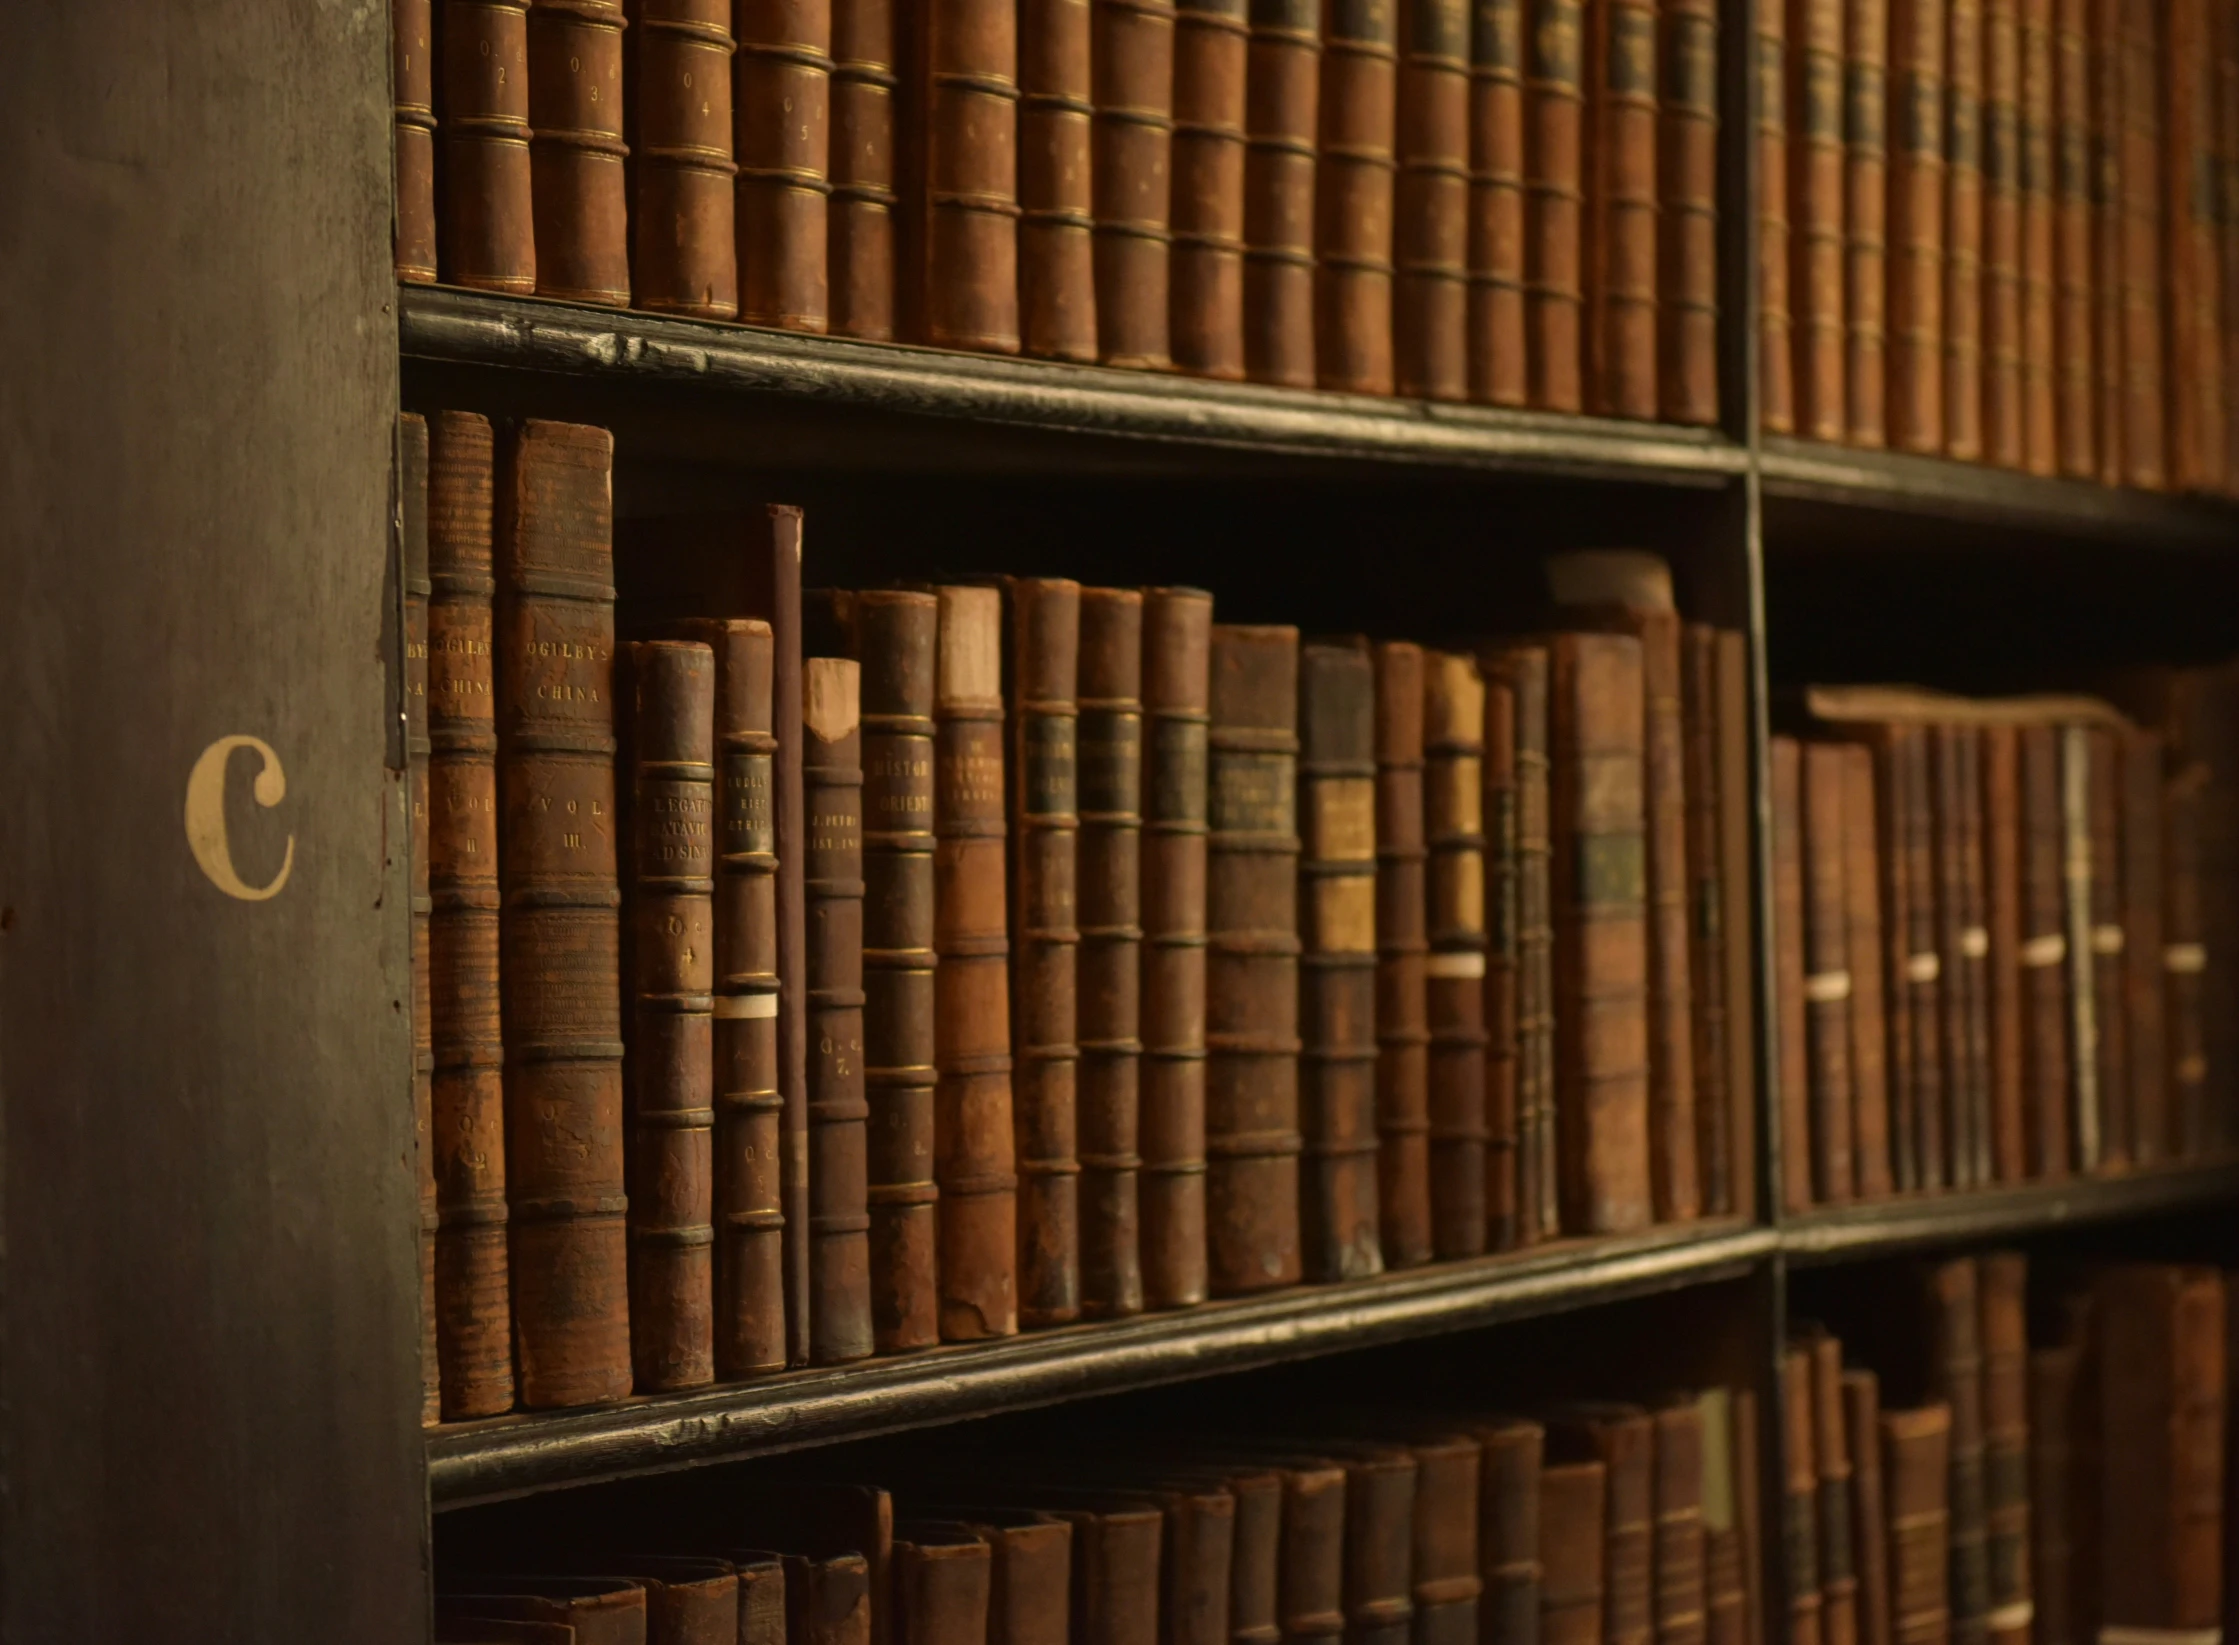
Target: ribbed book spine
[(1866, 219), (859, 222), (1816, 214), (412, 83), (488, 237), (2075, 321), (1917, 50), (2040, 185), (1454, 828), (1056, 257), (1431, 204), (1687, 255), (1776, 372), (1131, 63), (1281, 121), (1554, 197), (956, 259), (412, 547), (783, 93), (683, 220), (1402, 950), (1827, 979), (2004, 410), (1862, 917), (1963, 228), (1620, 236), (1496, 203), (1206, 275), (1354, 180), (576, 151), (1502, 1155)]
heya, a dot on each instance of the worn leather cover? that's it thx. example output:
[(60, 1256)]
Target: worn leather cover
[(576, 152), (1380, 1488), (1110, 957), (586, 1610), (1251, 987), (1197, 1557), (1687, 252), (1776, 369), (1917, 60), (1501, 884), (1962, 948), (1974, 938), (2109, 234), (670, 946), (859, 237), (1623, 1439), (2040, 361), (2043, 954), (1554, 195), (830, 1600), (2001, 831), (1338, 1225), (1508, 1531), (1430, 222), (412, 553), (1799, 1500), (943, 1573), (1827, 981), (1131, 63), (2145, 265), (2075, 303), (2111, 1039), (1955, 1376), (688, 1601), (1496, 203), (1454, 831), (2004, 411), (1353, 197), (783, 81), (1282, 116), (1402, 960), (1916, 1478), (1030, 1574), (489, 236), (2139, 758), (2193, 271), (1538, 1198), (1177, 708), (1116, 1544), (560, 925), (2184, 960), (1619, 239), (1865, 121), (683, 240), (2080, 913), (1963, 231), (1447, 1587), (1869, 1029), (1310, 1580), (1056, 263), (2004, 1287), (1838, 1567), (1676, 1540), (1737, 816), (957, 255), (2054, 1411), (1255, 1568), (1206, 265), (412, 98), (1816, 215), (1571, 1553), (1791, 969), (1869, 1513)]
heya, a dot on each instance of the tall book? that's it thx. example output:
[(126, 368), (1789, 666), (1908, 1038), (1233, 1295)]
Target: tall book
[(859, 221), (1865, 124), (1816, 215), (1917, 61), (2111, 1025), (1916, 1481), (576, 152), (1430, 204), (1962, 948), (2053, 1413), (1618, 245), (2004, 411), (1402, 961), (2192, 267), (1572, 1551), (1728, 1559), (1677, 1475), (1447, 1589), (1622, 1438), (412, 557), (2139, 754), (1251, 984), (2002, 857), (2004, 1287), (1707, 933), (1282, 118), (1776, 367), (1838, 1560), (2075, 302), (1056, 199), (2040, 359), (2184, 959), (1827, 978), (2044, 956), (1503, 1223), (1454, 830), (1869, 1036), (1737, 913), (1554, 187), (1869, 1527), (1206, 275), (956, 253), (677, 119), (1963, 230), (782, 77), (1915, 968), (412, 100), (1791, 970), (1131, 66), (1522, 669), (1354, 181), (1955, 1376), (560, 924), (1687, 251), (1496, 203), (488, 238), (2103, 46), (2145, 422), (1508, 1531), (1799, 1499), (2086, 1141)]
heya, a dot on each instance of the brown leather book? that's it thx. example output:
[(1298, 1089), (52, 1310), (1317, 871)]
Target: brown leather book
[(1311, 1600), (1353, 188), (670, 813), (1043, 673), (688, 1601), (2003, 410), (2004, 1285), (829, 1600), (1728, 1559), (1571, 1553), (1205, 316), (2040, 361), (2054, 1410), (1799, 1501), (2111, 1038), (2145, 430), (1251, 976), (2103, 45), (1791, 971), (1955, 1368), (1910, 961), (1596, 744), (1197, 1559), (1496, 203), (1618, 239), (2043, 955), (1503, 1223), (839, 1586), (1337, 992), (1454, 828), (973, 1150), (1282, 118), (1402, 960), (1962, 947), (1736, 1169), (2224, 30), (1622, 1438), (559, 930), (2194, 274), (586, 1610), (2075, 303), (943, 1572), (2145, 1022), (1817, 216), (1380, 1487), (412, 522), (684, 256), (1869, 1032), (1177, 698), (1057, 208), (1687, 206), (1115, 1597), (859, 220), (1838, 1568), (576, 153), (956, 256), (1255, 1554), (1963, 230), (2184, 960), (1554, 200), (1917, 55), (1430, 224), (1523, 669), (1865, 120), (839, 1210), (2079, 914), (1975, 955), (1132, 65), (412, 96), (488, 238), (1869, 1527), (1508, 1531), (1676, 1502), (2162, 1390), (1776, 368), (1110, 958), (1827, 979), (1030, 1573), (1447, 1587), (783, 80), (2002, 863), (1916, 1478)]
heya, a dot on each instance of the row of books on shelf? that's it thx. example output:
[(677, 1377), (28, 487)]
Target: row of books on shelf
[(2005, 231), (1513, 203), (1112, 958), (1377, 1524)]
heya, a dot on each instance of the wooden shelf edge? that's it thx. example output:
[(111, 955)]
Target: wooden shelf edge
[(510, 1456), (475, 328)]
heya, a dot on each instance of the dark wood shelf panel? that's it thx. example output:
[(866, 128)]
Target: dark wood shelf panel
[(507, 1456), (1860, 1232)]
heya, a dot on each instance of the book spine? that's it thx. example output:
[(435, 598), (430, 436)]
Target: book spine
[(1791, 970), (1963, 229), (1337, 995), (1206, 313), (683, 226), (1908, 979), (576, 153), (943, 1577), (560, 925), (1776, 374), (1539, 1192), (1676, 1500), (1132, 66), (1177, 710), (1625, 1441), (412, 97), (1673, 1169), (1869, 1056), (2084, 1114), (1057, 208), (973, 1157), (1866, 219), (1251, 985), (1916, 1476), (1282, 116), (1508, 1533), (2040, 360), (1955, 1374), (1707, 934), (1454, 970), (1737, 888), (2145, 428), (1255, 1556), (2184, 963), (783, 84), (1379, 1548), (1799, 1501), (1816, 215), (1044, 675), (2053, 1414), (2103, 47), (1312, 1600), (859, 223), (1620, 230), (2043, 954), (2111, 1020), (957, 259), (1727, 1558), (2195, 277), (1402, 960), (1959, 969), (1974, 938), (412, 521), (1572, 1551), (1838, 1569), (1687, 207), (2004, 410), (1353, 189), (488, 238), (671, 1064), (2008, 1005), (1861, 1419), (1554, 198), (1430, 315), (2224, 30), (2143, 946), (1110, 959), (1503, 1224), (2075, 327), (1496, 203), (1447, 1588), (2005, 1402), (1916, 225), (1828, 985)]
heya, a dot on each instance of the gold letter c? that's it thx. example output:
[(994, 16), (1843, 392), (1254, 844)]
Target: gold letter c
[(206, 815)]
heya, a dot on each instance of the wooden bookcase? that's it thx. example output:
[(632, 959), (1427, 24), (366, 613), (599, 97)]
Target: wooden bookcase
[(210, 1279)]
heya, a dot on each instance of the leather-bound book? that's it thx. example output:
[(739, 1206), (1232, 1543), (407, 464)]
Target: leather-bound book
[(1816, 215), (1282, 120), (1554, 199), (1869, 1514), (1776, 368), (1508, 1531), (1916, 1478), (1205, 274), (1963, 231), (2078, 911), (1057, 208), (412, 521), (1402, 960), (1749, 1510), (1598, 831), (1523, 670), (2004, 1286), (586, 1610), (1377, 1591), (1110, 958), (1196, 1559), (1311, 1578), (2043, 954), (1827, 979), (1916, 225), (1043, 673), (859, 220), (1251, 984), (488, 238), (2075, 305), (1727, 1557), (1502, 1222), (2162, 1390), (839, 1544), (1974, 953), (1911, 963), (1337, 979), (2139, 197), (1791, 971), (2145, 1021), (2003, 409), (943, 1572), (560, 926), (1736, 1169), (1571, 1552), (576, 152), (472, 1293), (839, 1212), (1866, 220), (1960, 956), (1954, 1307), (1430, 222), (1132, 65), (1496, 203), (1687, 256), (1255, 1553), (830, 1600), (956, 256), (2224, 33), (1454, 828), (2103, 807), (683, 240), (783, 84), (2040, 431), (2001, 848), (1869, 1032), (1353, 189), (2108, 236), (1447, 1587), (1116, 1541), (1622, 1439), (1799, 1501), (1676, 1500), (973, 1153), (1618, 240), (671, 945), (2054, 1411), (1177, 698), (2184, 961), (1838, 1565), (1030, 1573), (688, 1600), (412, 95)]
